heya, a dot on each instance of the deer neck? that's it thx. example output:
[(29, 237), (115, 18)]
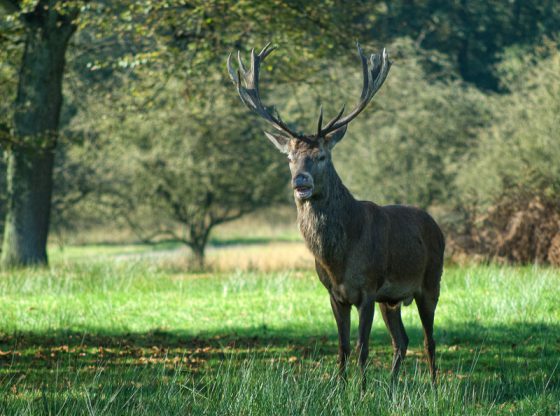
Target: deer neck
[(325, 220)]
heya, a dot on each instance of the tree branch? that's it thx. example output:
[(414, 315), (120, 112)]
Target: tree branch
[(11, 6), (145, 238)]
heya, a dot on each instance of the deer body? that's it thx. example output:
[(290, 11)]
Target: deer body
[(364, 253)]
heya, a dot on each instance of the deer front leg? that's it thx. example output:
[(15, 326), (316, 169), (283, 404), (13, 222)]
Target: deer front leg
[(366, 311), (341, 313)]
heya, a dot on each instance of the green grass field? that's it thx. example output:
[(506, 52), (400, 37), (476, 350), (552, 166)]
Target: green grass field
[(131, 337)]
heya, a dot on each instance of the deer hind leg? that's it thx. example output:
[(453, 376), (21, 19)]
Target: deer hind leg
[(393, 321), (366, 311), (341, 313), (427, 308)]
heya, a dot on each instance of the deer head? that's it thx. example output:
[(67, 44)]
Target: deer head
[(309, 155)]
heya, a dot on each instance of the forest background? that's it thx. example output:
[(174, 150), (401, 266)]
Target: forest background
[(137, 134)]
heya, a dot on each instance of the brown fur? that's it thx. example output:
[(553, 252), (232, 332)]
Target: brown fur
[(366, 253)]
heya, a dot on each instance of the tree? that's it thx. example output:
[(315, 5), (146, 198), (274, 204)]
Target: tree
[(2, 194), (30, 154), (520, 152), (509, 185), (191, 167), (472, 33), (174, 36)]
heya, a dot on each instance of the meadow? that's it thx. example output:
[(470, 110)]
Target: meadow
[(124, 330)]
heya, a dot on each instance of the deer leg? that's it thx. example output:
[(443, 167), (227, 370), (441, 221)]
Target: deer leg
[(393, 321), (366, 311), (341, 313), (426, 309)]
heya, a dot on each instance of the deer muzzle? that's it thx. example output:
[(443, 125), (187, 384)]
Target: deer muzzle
[(303, 186)]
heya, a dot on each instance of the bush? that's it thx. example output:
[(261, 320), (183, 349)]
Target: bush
[(514, 176)]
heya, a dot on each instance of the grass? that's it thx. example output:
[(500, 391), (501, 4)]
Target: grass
[(263, 254), (113, 336)]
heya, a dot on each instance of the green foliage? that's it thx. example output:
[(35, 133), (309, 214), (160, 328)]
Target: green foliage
[(519, 153), (191, 40), (410, 146), (194, 157), (117, 337), (145, 87), (186, 168), (473, 34)]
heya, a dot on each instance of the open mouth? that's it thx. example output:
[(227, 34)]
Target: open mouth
[(303, 192)]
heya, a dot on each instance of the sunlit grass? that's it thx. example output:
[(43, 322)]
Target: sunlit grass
[(223, 256), (137, 337)]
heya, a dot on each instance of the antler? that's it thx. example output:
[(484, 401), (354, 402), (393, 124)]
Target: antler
[(374, 75), (250, 92)]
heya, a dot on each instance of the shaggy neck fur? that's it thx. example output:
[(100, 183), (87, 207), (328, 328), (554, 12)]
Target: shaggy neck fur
[(323, 219)]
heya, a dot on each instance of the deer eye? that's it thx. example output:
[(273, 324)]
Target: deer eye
[(322, 158)]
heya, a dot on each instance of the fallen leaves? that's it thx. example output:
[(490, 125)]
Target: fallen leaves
[(9, 353)]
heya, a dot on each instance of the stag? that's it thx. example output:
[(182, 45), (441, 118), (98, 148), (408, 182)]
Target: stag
[(364, 253)]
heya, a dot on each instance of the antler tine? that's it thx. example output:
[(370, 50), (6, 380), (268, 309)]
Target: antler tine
[(249, 93), (373, 79), (267, 50), (334, 120), (320, 123), (234, 75), (240, 62), (383, 70), (365, 72)]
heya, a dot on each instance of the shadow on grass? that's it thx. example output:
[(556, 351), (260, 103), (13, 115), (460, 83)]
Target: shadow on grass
[(517, 362), (488, 348)]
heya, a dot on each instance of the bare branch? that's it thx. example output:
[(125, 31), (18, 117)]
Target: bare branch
[(150, 238)]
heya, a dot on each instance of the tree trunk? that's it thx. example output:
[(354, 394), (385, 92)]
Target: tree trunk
[(198, 239), (28, 209), (36, 117), (198, 256)]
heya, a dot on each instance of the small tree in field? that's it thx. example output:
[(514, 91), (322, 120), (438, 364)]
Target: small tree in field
[(189, 170)]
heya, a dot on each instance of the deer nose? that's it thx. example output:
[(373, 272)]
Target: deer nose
[(301, 180)]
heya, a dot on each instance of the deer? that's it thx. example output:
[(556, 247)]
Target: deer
[(364, 253)]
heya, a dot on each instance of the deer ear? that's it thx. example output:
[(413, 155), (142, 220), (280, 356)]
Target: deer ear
[(279, 140), (333, 138)]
